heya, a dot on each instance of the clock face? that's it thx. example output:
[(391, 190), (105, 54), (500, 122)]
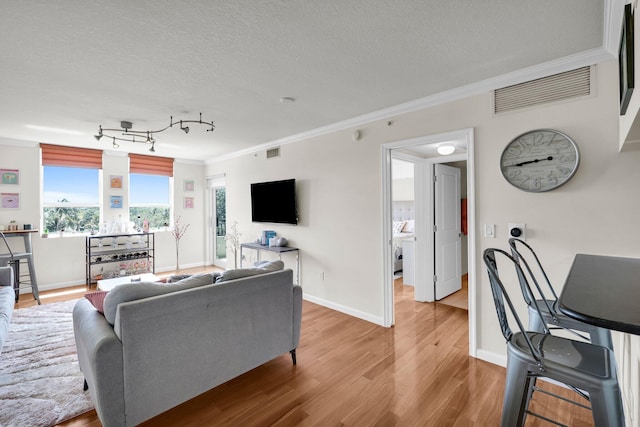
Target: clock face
[(540, 160)]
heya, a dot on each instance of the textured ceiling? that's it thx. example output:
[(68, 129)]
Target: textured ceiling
[(75, 64)]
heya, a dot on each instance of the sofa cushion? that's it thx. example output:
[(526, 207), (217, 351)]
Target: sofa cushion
[(97, 299), (136, 291), (260, 268)]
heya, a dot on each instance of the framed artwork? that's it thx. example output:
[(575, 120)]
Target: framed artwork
[(189, 185), (10, 200), (625, 60), (116, 181), (188, 202), (116, 202), (10, 176)]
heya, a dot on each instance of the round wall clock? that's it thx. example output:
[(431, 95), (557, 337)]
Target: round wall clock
[(539, 160)]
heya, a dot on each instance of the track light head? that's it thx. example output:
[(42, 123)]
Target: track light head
[(185, 129), (153, 145), (97, 137), (115, 144)]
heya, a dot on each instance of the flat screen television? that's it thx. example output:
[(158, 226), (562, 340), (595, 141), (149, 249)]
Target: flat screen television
[(274, 201)]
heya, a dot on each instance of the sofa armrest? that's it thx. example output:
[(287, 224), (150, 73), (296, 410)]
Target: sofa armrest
[(100, 359), (297, 314), (6, 276)]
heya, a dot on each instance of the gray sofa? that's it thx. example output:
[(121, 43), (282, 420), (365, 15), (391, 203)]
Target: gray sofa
[(165, 349), (7, 302)]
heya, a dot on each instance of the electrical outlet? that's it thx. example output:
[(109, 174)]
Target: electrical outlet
[(517, 230)]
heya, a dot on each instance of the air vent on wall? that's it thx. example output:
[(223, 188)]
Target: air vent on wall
[(273, 152), (570, 84)]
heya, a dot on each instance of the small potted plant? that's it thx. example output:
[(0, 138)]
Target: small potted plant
[(45, 233)]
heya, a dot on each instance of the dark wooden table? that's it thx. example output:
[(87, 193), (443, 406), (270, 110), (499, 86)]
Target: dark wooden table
[(603, 291)]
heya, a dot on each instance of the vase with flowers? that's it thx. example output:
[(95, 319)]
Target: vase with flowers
[(177, 232)]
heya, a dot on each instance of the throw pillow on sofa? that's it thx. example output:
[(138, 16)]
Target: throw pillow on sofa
[(261, 267), (136, 291), (97, 299)]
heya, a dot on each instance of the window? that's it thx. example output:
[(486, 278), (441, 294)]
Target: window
[(71, 191), (149, 199), (149, 190)]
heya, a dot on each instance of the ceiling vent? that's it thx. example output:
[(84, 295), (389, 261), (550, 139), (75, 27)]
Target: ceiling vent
[(567, 85), (273, 152)]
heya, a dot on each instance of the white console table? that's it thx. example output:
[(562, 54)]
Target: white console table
[(275, 249)]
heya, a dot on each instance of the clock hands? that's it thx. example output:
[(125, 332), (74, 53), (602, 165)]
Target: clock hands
[(533, 161)]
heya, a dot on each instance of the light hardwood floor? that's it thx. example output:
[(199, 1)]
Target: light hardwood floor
[(459, 298), (353, 373)]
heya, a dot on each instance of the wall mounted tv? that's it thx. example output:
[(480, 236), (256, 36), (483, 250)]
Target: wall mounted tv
[(274, 201)]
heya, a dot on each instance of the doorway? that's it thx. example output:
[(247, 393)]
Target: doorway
[(425, 240), (218, 221)]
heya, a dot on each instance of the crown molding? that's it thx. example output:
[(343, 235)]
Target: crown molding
[(18, 142), (586, 58)]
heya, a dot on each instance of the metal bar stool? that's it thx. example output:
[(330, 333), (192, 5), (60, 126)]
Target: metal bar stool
[(13, 259), (550, 316), (588, 369)]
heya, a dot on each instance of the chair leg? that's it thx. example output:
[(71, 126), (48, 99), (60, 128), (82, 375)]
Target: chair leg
[(32, 278), (516, 393), (601, 337), (606, 406)]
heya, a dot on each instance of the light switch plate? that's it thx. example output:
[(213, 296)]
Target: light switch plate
[(490, 230)]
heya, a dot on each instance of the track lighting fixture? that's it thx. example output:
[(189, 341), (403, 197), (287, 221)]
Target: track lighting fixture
[(130, 135)]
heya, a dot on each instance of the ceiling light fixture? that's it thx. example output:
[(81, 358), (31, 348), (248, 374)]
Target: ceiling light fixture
[(147, 136), (445, 150)]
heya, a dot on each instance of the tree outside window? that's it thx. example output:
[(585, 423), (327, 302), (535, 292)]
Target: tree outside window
[(149, 200), (71, 199)]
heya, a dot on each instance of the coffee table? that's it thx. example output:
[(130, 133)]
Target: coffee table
[(108, 284)]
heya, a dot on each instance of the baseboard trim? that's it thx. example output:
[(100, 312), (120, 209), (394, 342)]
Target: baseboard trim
[(344, 309), (494, 358)]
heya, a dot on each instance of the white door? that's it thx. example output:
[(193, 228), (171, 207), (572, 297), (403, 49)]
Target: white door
[(448, 269)]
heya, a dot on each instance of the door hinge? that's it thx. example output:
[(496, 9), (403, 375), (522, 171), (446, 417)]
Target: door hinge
[(435, 228), (435, 178), (435, 278)]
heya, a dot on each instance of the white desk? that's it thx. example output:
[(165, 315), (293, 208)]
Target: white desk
[(275, 249)]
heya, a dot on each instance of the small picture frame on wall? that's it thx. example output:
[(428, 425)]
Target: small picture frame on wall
[(626, 65), (116, 202), (189, 185), (188, 202), (10, 200), (9, 176), (116, 181)]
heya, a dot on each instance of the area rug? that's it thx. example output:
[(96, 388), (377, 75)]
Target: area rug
[(40, 381)]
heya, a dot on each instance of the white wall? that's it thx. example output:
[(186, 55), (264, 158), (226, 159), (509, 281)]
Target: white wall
[(339, 182), (340, 203), (60, 261)]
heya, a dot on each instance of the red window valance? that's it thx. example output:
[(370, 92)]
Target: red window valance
[(150, 165), (61, 155)]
